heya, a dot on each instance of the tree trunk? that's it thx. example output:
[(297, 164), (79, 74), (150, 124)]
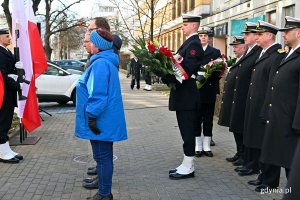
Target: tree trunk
[(47, 47)]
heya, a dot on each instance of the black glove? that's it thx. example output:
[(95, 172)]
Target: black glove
[(92, 123)]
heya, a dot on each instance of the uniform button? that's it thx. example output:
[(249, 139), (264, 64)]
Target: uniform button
[(277, 72), (250, 83), (225, 81), (270, 105), (254, 70), (232, 101), (272, 88), (236, 77), (221, 102), (235, 90), (210, 84), (268, 121), (250, 98), (240, 65), (224, 92)]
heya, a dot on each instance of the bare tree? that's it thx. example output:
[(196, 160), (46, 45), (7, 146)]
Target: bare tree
[(5, 6), (55, 18), (144, 14)]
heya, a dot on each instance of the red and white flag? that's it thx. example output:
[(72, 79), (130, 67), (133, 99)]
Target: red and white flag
[(1, 89), (33, 58)]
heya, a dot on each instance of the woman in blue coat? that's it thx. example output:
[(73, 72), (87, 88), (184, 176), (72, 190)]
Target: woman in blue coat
[(99, 109)]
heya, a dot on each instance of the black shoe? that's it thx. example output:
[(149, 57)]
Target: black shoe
[(90, 168), (131, 86), (91, 186), (10, 161), (172, 171), (90, 179), (177, 176), (248, 172), (255, 182), (208, 153), (19, 157), (212, 143), (198, 153), (241, 169), (238, 162), (263, 187), (99, 197), (92, 171), (234, 158)]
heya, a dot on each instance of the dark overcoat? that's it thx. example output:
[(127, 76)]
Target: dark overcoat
[(185, 96), (253, 125), (241, 89), (209, 90), (283, 119), (226, 104), (7, 66)]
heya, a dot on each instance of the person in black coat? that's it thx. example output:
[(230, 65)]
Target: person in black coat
[(135, 71), (239, 49), (184, 99), (242, 81), (283, 105), (254, 126), (207, 95), (8, 70)]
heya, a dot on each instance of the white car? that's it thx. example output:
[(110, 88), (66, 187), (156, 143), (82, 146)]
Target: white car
[(57, 85)]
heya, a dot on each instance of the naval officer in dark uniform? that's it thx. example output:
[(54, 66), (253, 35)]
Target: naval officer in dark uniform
[(208, 94), (254, 126), (239, 48), (184, 99), (283, 106), (8, 69), (242, 82)]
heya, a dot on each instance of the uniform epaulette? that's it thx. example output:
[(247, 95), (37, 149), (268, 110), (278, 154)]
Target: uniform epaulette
[(281, 51)]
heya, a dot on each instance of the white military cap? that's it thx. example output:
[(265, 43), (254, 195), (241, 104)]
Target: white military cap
[(290, 23)]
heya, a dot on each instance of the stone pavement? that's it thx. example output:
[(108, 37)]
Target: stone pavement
[(55, 166)]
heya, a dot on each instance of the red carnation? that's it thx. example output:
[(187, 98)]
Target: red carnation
[(151, 47)]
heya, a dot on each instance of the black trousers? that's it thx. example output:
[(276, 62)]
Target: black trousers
[(238, 138), (187, 125), (137, 82), (148, 78), (6, 116), (252, 156), (205, 117), (270, 174)]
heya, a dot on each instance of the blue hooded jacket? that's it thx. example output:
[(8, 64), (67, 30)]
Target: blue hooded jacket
[(98, 94)]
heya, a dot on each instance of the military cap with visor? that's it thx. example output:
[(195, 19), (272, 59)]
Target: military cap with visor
[(290, 23)]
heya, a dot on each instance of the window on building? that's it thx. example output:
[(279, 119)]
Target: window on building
[(289, 11), (272, 17), (184, 5), (173, 9), (178, 8), (192, 4)]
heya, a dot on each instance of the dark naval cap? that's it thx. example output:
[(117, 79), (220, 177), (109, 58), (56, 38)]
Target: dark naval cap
[(236, 40), (204, 30), (249, 26), (4, 31), (263, 27), (290, 23), (190, 18)]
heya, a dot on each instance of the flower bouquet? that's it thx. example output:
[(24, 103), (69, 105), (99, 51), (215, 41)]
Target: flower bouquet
[(159, 59), (219, 65)]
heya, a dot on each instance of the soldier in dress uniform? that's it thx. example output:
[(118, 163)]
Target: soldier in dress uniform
[(242, 81), (8, 69), (254, 127), (208, 94), (184, 99), (135, 71), (239, 49), (283, 107)]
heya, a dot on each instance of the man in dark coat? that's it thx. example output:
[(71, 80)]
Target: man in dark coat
[(254, 127), (11, 86), (135, 71), (283, 113), (208, 94), (185, 98), (239, 49), (242, 81)]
